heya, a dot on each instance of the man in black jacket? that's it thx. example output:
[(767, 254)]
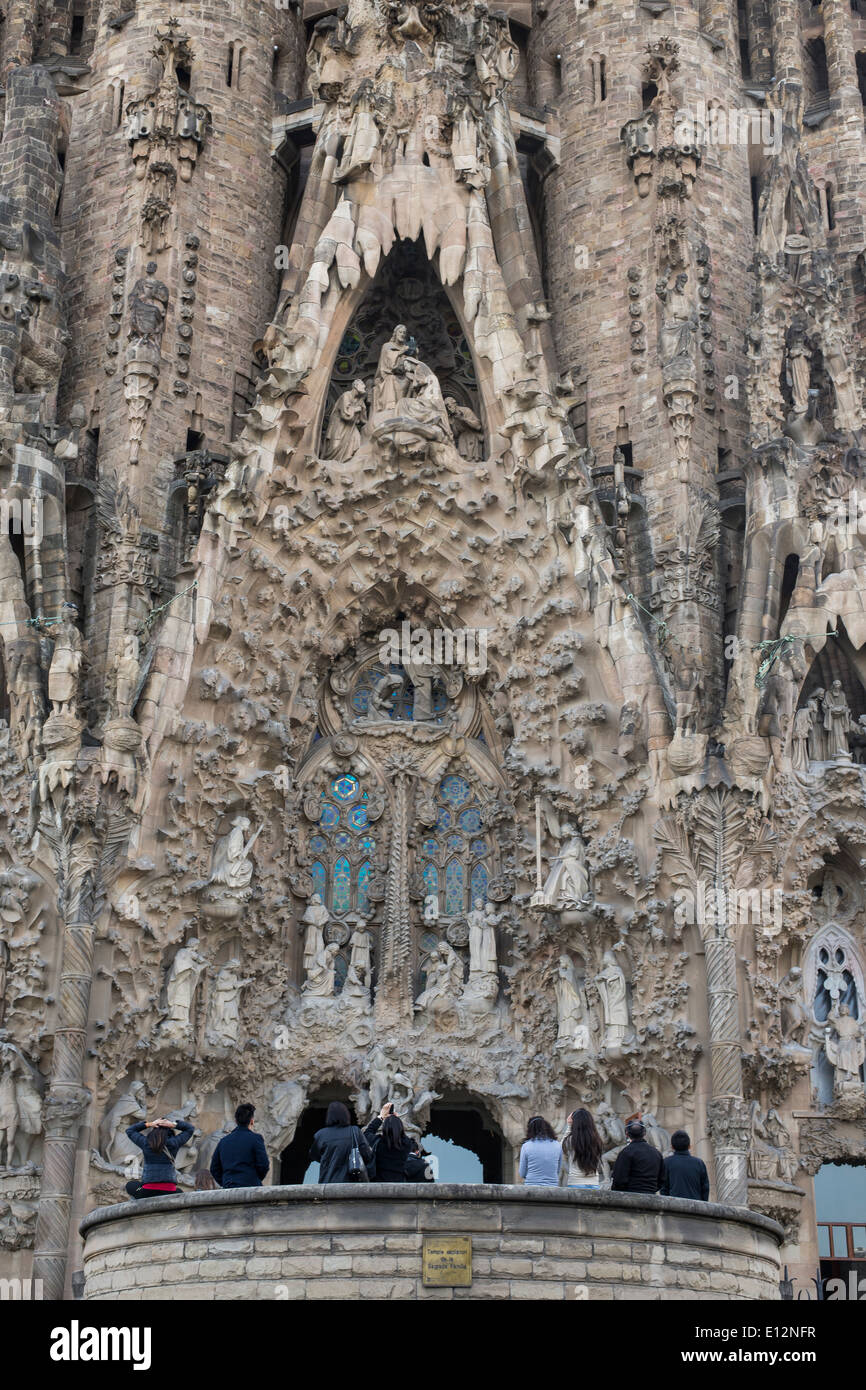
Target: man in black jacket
[(240, 1159), (640, 1167), (685, 1175)]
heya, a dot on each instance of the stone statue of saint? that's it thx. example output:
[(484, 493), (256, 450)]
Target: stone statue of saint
[(573, 1030), (847, 1050), (320, 980), (131, 1107), (127, 670), (284, 1106), (183, 978), (804, 719), (20, 1106), (421, 676), (482, 922), (224, 1016), (798, 360), (66, 663), (568, 881), (231, 863), (467, 429), (431, 909), (680, 324), (391, 382), (360, 972), (349, 415), (794, 1018), (611, 986), (24, 680), (316, 917), (817, 748), (444, 980), (837, 722), (148, 304), (770, 1156)]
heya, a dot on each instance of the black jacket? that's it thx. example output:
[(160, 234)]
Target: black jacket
[(390, 1164), (686, 1176), (418, 1169), (240, 1159), (331, 1148), (639, 1168), (159, 1167)]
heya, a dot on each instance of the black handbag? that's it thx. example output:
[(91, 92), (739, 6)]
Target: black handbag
[(357, 1169)]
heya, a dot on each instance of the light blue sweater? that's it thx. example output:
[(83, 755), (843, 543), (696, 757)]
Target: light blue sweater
[(539, 1162)]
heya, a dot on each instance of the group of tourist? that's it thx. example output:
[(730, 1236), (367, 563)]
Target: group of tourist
[(385, 1152), (579, 1160)]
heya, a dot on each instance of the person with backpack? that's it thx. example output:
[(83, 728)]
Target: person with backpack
[(159, 1141), (391, 1146), (333, 1147)]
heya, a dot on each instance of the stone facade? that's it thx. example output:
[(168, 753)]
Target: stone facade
[(431, 583), (345, 1243)]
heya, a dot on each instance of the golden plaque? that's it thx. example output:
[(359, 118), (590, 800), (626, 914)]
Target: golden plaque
[(447, 1261)]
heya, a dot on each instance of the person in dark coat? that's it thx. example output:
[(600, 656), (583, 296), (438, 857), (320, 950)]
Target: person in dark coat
[(159, 1141), (685, 1175), (332, 1145), (391, 1148), (417, 1167), (639, 1167), (240, 1159)]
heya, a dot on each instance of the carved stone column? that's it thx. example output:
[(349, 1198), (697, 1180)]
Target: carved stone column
[(393, 990), (727, 1116), (66, 1101)]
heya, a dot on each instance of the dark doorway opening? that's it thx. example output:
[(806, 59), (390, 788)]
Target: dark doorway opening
[(470, 1129), (295, 1158)]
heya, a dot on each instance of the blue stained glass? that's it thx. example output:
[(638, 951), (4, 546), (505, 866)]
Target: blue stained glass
[(344, 788), (330, 816), (320, 880), (363, 887), (358, 817), (430, 875), (342, 840), (455, 790), (470, 820), (443, 819), (342, 891), (478, 848), (318, 844), (429, 847), (367, 844), (454, 842), (454, 888), (478, 883)]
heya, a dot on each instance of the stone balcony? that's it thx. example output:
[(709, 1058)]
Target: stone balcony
[(366, 1242)]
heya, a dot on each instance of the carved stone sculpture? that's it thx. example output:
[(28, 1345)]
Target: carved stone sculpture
[(182, 983), (611, 986), (223, 1022), (845, 1046)]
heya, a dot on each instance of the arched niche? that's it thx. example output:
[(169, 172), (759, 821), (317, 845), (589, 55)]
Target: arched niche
[(318, 386), (406, 290)]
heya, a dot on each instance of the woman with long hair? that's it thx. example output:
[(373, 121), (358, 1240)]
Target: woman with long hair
[(159, 1141), (582, 1150), (333, 1145), (540, 1155), (391, 1145)]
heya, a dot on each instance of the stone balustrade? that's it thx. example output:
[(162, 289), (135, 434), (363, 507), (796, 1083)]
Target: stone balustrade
[(352, 1242)]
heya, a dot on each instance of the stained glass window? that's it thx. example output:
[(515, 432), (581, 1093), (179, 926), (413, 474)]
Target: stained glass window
[(343, 847), (454, 860), (454, 888)]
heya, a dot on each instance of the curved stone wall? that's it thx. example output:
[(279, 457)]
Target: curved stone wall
[(350, 1242)]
